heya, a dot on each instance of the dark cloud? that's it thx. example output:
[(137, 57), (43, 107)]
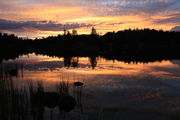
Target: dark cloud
[(172, 19), (99, 7), (117, 23), (118, 7), (176, 29), (39, 25)]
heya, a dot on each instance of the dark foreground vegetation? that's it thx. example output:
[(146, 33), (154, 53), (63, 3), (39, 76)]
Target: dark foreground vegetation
[(32, 100), (69, 100), (129, 45)]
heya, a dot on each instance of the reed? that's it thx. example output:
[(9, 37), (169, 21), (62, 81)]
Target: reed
[(63, 87), (13, 101)]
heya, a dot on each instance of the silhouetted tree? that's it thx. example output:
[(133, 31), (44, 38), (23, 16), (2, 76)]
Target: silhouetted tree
[(68, 33), (93, 31), (65, 32), (74, 32), (127, 45)]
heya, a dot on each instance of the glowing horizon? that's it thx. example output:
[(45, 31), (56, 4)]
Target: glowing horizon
[(42, 18)]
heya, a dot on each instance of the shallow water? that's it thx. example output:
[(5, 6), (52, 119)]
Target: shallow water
[(112, 89)]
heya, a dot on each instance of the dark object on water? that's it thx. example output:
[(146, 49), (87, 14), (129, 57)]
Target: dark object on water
[(78, 83), (50, 99), (45, 99), (13, 72), (53, 99), (66, 103), (74, 64)]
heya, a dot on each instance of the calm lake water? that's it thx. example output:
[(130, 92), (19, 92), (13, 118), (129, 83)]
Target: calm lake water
[(112, 90)]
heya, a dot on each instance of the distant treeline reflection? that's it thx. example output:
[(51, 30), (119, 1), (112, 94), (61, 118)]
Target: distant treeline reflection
[(129, 45)]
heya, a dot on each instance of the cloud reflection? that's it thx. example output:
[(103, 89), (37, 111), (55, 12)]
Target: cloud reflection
[(114, 85)]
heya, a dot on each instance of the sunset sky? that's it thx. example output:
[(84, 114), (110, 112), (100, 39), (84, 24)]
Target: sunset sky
[(41, 18)]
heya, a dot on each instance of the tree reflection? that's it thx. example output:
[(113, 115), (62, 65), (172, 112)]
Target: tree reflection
[(93, 62), (71, 61), (67, 61), (75, 61)]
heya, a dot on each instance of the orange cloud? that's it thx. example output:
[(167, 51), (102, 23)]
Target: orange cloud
[(104, 15)]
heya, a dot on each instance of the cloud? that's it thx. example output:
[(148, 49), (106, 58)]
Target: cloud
[(118, 7), (170, 19), (177, 29), (39, 25), (98, 7), (29, 4), (41, 10), (28, 15), (116, 23)]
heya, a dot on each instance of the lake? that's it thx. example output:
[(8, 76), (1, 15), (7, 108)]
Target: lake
[(111, 90)]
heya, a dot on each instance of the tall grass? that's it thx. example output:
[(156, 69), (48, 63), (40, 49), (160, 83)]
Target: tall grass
[(63, 87), (13, 102), (26, 103)]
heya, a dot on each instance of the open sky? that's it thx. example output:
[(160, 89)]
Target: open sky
[(37, 18)]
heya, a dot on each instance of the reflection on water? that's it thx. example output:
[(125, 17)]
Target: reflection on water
[(102, 89)]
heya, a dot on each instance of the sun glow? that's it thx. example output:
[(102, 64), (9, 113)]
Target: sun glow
[(101, 16)]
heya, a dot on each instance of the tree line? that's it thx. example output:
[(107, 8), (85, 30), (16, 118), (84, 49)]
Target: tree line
[(129, 44)]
